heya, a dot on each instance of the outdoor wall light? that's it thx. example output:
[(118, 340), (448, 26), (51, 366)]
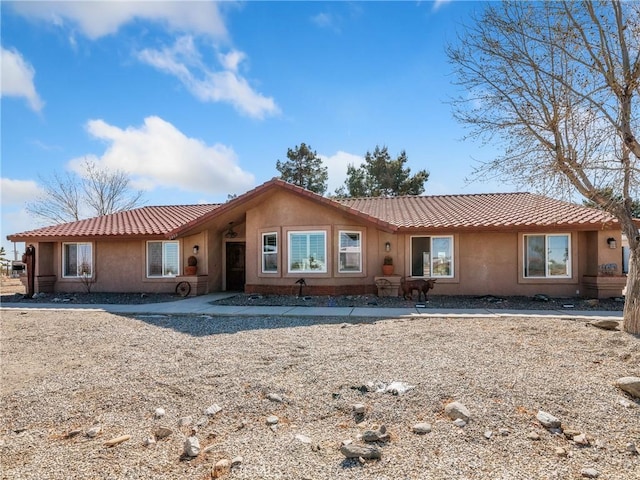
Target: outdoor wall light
[(196, 248), (387, 247), (612, 242)]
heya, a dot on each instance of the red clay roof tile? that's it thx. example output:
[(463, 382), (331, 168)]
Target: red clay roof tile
[(443, 212), (143, 221)]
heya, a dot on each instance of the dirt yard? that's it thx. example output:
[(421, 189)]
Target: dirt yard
[(74, 380)]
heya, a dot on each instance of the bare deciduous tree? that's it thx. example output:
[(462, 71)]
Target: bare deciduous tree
[(556, 84), (96, 191)]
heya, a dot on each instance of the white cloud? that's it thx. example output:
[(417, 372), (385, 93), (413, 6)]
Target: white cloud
[(438, 4), (337, 168), (184, 62), (18, 192), (157, 154), (100, 18), (17, 78)]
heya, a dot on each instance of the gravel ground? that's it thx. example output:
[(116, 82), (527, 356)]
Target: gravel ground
[(64, 372), (434, 301)]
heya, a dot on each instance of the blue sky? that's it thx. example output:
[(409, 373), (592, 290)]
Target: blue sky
[(196, 100)]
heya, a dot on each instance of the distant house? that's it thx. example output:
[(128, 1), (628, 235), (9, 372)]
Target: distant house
[(270, 237)]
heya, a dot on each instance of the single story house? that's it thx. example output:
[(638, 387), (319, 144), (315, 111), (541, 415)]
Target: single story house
[(269, 238)]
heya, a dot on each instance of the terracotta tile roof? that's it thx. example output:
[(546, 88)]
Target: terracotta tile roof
[(478, 211), (143, 221), (499, 211)]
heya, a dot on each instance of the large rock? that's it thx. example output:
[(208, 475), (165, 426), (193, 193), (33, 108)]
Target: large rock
[(547, 420), (455, 410), (360, 451), (606, 324), (631, 385), (191, 447)]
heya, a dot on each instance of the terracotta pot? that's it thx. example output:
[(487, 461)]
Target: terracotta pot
[(190, 270), (387, 270)]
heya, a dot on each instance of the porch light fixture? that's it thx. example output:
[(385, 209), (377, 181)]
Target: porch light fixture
[(196, 248), (612, 242), (387, 247)]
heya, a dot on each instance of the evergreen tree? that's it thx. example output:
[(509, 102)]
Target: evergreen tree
[(382, 176), (304, 169)]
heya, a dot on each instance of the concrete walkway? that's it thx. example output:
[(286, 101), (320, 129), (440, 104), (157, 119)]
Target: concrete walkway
[(201, 305)]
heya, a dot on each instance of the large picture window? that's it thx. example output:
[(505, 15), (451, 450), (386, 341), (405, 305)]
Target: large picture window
[(77, 260), (432, 257), (547, 256), (350, 252), (270, 252), (308, 252), (163, 259)]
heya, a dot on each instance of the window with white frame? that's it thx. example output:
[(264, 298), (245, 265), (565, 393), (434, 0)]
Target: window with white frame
[(308, 252), (163, 259), (432, 256), (270, 252), (547, 256), (349, 252), (77, 260)]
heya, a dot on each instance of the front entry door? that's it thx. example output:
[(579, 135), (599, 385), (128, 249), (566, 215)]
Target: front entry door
[(235, 266)]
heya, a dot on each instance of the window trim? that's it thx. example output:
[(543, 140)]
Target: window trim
[(325, 270), (264, 253), (146, 252), (359, 251), (64, 257), (431, 237), (546, 276)]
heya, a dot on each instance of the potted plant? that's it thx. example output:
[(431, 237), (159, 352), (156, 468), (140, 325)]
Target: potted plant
[(387, 266), (191, 267)]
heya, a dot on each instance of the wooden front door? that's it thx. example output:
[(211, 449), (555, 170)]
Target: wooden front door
[(236, 266)]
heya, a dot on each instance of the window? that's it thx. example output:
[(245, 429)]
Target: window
[(162, 259), (269, 252), (432, 257), (308, 252), (349, 252), (547, 256), (77, 260)]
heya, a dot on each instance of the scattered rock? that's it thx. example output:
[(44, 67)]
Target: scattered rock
[(533, 436), (504, 432), (73, 433), (159, 413), (184, 421), (148, 441), (631, 448), (421, 428), (365, 451), (162, 432), (589, 473), (570, 433), (605, 324), (213, 409), (359, 408), (455, 410), (396, 388), (631, 385), (117, 440), (302, 438), (93, 431), (379, 435), (274, 397), (561, 452), (236, 461), (458, 422), (487, 434), (272, 420), (540, 297), (191, 447), (547, 420), (581, 440), (221, 468)]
